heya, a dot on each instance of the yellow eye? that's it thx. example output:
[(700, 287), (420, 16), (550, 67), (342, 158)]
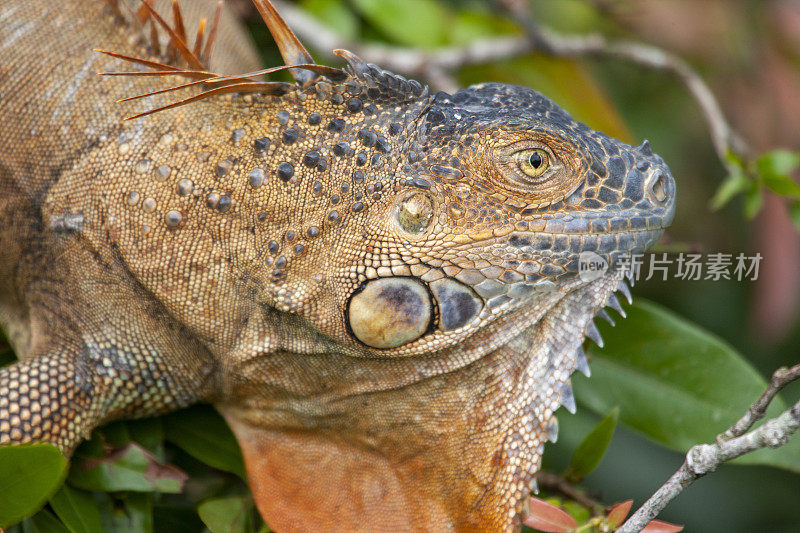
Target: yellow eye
[(533, 162)]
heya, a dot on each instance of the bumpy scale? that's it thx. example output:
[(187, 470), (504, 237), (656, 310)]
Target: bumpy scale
[(377, 287)]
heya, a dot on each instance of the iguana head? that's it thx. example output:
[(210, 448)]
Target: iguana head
[(447, 309), (410, 302), (496, 193)]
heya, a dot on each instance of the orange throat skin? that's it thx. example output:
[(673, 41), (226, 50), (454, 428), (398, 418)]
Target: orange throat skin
[(455, 451)]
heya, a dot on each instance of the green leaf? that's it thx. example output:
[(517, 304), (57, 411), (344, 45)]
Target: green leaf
[(202, 433), (336, 15), (77, 510), (782, 185), (225, 515), (130, 512), (735, 184), (794, 213), (138, 514), (169, 519), (417, 23), (734, 159), (774, 168), (46, 522), (778, 162), (115, 434), (128, 468), (469, 26), (149, 433), (591, 450), (753, 200), (676, 383), (29, 475)]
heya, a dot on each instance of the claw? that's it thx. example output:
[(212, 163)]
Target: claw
[(567, 398), (623, 288), (581, 363), (614, 304), (552, 430), (592, 333), (602, 313)]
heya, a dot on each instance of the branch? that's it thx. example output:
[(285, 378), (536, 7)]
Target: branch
[(781, 378), (435, 66), (733, 443), (723, 136), (556, 483)]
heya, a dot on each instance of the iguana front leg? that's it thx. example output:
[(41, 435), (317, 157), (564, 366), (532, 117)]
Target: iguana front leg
[(61, 393), (100, 349), (50, 397)]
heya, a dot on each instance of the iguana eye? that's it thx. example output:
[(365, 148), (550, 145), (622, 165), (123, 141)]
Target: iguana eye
[(534, 162), (539, 169)]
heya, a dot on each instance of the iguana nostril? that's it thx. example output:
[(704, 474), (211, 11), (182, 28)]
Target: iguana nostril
[(658, 187)]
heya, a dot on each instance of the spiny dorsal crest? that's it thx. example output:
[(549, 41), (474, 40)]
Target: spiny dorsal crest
[(298, 61)]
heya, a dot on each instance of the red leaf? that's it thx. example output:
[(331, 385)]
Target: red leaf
[(658, 526), (548, 518), (618, 513)]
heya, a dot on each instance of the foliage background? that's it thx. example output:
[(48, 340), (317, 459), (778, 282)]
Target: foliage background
[(749, 51)]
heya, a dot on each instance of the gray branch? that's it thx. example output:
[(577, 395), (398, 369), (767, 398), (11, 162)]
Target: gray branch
[(436, 66), (733, 443)]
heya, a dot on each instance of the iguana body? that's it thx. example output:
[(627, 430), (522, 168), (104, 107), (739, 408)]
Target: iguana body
[(370, 282)]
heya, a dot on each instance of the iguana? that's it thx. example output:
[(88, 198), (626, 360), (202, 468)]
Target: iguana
[(378, 287)]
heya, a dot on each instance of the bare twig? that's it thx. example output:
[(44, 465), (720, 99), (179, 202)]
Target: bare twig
[(723, 136), (733, 443), (434, 66), (781, 378), (409, 61), (556, 483)]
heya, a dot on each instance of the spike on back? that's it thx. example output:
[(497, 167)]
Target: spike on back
[(196, 59), (299, 61), (212, 35), (292, 50), (113, 6)]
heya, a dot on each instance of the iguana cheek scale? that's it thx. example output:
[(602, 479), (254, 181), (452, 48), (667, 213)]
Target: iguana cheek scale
[(378, 287)]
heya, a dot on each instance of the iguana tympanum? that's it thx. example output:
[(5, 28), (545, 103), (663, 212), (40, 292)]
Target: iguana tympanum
[(378, 287)]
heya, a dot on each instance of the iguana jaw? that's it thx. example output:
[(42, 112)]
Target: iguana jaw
[(453, 451)]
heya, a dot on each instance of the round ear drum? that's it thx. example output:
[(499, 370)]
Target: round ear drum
[(390, 312)]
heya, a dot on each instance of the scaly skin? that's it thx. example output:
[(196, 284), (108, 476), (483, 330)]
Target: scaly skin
[(177, 258)]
